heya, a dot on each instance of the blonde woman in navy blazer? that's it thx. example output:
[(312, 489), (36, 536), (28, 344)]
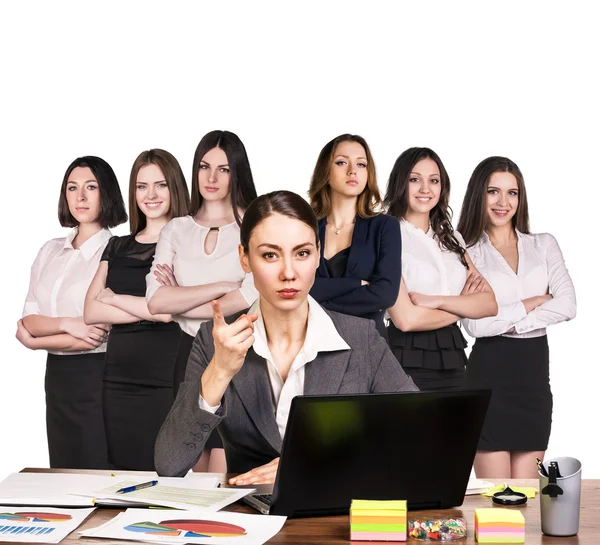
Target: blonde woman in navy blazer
[(360, 265)]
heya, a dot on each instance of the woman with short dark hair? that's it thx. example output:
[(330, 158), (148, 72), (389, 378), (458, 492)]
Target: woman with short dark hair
[(360, 263), (439, 283), (534, 290), (90, 202), (243, 372), (141, 348), (196, 257)]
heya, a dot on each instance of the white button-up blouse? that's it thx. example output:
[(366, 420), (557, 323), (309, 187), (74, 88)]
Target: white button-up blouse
[(61, 276), (428, 268), (541, 270)]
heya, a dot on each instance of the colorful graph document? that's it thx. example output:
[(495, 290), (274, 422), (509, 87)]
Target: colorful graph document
[(198, 526), (47, 525), (185, 494)]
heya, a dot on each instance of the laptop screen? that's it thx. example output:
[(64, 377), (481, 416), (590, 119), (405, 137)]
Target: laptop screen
[(415, 446)]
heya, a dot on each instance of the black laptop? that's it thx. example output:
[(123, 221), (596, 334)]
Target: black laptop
[(414, 446)]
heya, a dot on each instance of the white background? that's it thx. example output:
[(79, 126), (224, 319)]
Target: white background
[(466, 79)]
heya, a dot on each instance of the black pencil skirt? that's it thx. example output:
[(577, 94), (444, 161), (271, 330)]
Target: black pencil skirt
[(138, 390), (74, 420), (185, 347), (435, 360), (517, 371)]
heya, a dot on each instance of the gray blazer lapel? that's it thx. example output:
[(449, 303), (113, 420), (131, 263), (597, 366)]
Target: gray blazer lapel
[(252, 386), (324, 374)]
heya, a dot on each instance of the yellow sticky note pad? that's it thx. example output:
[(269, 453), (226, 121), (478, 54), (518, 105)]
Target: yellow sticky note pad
[(496, 514), (387, 505)]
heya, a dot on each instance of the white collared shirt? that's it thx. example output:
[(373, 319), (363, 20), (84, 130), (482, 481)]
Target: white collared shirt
[(61, 276), (181, 245), (541, 270), (321, 336), (428, 268)]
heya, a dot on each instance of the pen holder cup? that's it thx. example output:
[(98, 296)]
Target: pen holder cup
[(560, 497)]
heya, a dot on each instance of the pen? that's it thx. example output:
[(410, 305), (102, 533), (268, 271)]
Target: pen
[(541, 467), (136, 487)]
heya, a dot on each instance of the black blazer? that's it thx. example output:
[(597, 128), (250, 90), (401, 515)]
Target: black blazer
[(375, 256), (246, 416)]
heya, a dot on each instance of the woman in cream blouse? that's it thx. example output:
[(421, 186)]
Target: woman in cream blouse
[(196, 259), (90, 202), (534, 290), (439, 282)]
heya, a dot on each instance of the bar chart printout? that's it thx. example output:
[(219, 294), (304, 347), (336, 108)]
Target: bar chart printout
[(45, 525)]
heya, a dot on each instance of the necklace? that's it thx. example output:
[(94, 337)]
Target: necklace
[(338, 229)]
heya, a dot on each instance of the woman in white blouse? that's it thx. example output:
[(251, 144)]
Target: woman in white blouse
[(439, 283), (196, 259), (90, 202), (534, 290)]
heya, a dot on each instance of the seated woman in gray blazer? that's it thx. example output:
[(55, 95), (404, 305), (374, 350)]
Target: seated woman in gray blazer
[(243, 372)]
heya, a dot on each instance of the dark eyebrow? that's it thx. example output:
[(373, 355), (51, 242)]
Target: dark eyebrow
[(348, 157), (86, 182), (218, 166), (498, 189), (276, 247), (419, 174)]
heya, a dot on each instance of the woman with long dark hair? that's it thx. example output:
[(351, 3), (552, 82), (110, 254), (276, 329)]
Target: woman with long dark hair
[(244, 372), (90, 202), (141, 348), (359, 268), (196, 257), (439, 283), (534, 290)]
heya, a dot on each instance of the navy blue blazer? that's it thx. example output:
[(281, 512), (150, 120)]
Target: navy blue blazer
[(375, 256)]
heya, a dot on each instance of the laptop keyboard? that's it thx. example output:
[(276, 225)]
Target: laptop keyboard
[(265, 498)]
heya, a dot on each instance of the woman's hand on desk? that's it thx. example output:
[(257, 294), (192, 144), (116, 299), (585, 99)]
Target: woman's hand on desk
[(259, 475)]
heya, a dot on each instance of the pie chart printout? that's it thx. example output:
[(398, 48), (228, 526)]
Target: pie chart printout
[(34, 516), (192, 528)]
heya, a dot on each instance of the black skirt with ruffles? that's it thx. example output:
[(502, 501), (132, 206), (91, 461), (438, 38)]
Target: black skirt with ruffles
[(435, 360)]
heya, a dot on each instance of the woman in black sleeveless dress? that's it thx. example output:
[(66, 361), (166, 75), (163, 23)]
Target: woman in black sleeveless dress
[(141, 351)]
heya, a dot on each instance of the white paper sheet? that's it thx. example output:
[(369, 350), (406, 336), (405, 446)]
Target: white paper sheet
[(477, 486), (198, 526), (45, 525), (183, 494), (74, 490)]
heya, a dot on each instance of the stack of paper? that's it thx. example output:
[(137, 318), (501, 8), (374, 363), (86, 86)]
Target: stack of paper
[(498, 525), (79, 490), (378, 520)]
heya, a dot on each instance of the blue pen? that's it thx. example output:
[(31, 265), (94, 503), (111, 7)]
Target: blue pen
[(136, 487)]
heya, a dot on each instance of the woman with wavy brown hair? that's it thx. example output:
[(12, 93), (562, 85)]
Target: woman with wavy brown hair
[(359, 269), (439, 283)]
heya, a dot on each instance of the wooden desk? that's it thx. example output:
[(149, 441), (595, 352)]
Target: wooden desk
[(335, 530)]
